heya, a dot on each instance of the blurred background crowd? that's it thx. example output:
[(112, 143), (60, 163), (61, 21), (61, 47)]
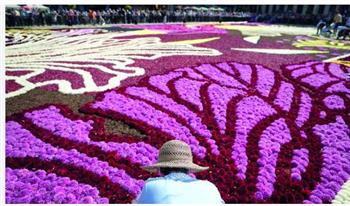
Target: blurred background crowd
[(40, 15)]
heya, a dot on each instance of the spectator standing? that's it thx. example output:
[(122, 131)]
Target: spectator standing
[(54, 15), (16, 16), (92, 17), (77, 17), (70, 17), (9, 18), (24, 17)]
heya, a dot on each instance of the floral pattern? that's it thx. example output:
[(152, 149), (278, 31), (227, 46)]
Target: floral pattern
[(254, 32), (24, 186), (271, 122), (77, 64), (257, 129)]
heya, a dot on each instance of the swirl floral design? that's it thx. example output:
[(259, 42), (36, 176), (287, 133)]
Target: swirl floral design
[(268, 137), (76, 64)]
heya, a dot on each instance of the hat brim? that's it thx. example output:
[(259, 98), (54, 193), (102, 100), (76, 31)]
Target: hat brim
[(190, 166)]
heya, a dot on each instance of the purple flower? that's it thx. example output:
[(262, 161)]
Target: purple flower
[(189, 90), (137, 110), (56, 194), (285, 96), (87, 200), (218, 76), (250, 111), (191, 118), (334, 135), (219, 97), (160, 81), (265, 81), (42, 150), (317, 80), (334, 102)]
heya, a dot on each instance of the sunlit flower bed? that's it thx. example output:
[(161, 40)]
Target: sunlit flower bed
[(267, 136), (267, 112)]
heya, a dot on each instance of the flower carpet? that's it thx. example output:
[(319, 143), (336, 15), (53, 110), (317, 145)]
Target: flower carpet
[(86, 109)]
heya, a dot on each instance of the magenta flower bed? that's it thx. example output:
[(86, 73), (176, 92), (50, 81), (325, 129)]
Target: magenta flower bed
[(267, 136), (52, 188), (272, 128)]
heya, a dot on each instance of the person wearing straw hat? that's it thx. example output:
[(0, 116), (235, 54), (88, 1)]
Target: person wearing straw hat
[(175, 162)]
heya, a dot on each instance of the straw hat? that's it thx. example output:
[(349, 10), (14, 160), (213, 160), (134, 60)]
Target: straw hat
[(175, 154)]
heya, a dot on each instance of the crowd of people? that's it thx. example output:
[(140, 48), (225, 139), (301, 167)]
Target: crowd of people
[(338, 26), (35, 17), (65, 16), (288, 17)]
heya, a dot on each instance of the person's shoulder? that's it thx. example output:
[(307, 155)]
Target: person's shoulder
[(208, 184), (154, 184), (210, 191), (154, 180)]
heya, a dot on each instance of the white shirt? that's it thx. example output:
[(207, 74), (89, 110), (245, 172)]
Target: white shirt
[(179, 188)]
